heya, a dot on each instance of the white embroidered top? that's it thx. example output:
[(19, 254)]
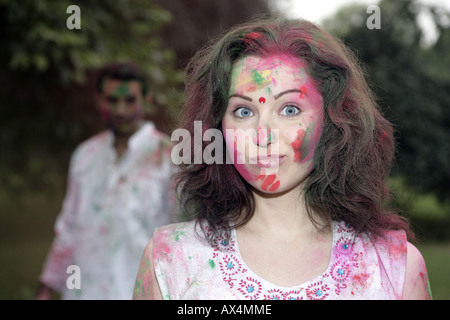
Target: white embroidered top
[(360, 267), (110, 211)]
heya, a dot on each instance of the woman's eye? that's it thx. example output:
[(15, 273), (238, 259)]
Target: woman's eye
[(290, 111), (243, 112)]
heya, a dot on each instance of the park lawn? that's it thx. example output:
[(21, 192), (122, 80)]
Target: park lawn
[(26, 232)]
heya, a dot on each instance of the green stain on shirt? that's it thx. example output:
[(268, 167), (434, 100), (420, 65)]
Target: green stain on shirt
[(178, 234), (212, 264)]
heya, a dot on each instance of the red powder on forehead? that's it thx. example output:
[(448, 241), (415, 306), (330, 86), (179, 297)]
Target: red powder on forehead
[(303, 92), (250, 88), (262, 100)]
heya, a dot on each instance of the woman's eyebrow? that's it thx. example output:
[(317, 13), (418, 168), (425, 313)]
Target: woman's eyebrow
[(240, 96), (288, 91)]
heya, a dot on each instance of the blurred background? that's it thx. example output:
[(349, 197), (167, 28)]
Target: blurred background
[(47, 80)]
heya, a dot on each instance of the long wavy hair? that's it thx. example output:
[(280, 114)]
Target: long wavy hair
[(352, 160)]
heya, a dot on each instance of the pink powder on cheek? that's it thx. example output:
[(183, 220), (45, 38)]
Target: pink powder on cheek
[(239, 165), (297, 144), (245, 174)]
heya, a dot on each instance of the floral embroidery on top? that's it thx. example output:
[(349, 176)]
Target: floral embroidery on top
[(230, 266), (250, 288), (330, 284), (317, 291)]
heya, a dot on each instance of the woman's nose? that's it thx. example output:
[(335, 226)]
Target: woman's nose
[(265, 136)]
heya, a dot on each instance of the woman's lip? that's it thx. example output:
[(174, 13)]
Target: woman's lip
[(269, 161)]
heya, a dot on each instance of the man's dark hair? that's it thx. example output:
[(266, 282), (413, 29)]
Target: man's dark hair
[(124, 71)]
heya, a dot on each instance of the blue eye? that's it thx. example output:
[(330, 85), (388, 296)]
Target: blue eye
[(243, 112), (290, 111)]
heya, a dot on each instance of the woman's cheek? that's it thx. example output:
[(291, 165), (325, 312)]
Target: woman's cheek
[(231, 141), (236, 155), (305, 142), (297, 144)]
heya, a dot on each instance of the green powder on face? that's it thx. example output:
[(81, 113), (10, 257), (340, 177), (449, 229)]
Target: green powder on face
[(122, 90), (257, 77), (306, 143)]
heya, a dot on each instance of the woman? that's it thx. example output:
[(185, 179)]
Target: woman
[(301, 212)]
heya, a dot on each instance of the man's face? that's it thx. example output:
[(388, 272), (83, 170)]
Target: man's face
[(121, 105)]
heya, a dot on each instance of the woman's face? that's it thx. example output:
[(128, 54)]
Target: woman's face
[(273, 122)]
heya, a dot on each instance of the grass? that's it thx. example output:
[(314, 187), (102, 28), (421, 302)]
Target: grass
[(418, 205), (26, 232)]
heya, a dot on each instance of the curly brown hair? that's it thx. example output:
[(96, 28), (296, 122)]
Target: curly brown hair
[(352, 160)]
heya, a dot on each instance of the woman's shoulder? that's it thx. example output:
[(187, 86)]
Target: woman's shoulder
[(390, 251), (393, 242), (404, 263), (176, 240), (391, 245), (417, 285), (174, 229)]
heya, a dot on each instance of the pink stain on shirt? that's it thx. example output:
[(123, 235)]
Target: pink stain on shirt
[(361, 278), (162, 250)]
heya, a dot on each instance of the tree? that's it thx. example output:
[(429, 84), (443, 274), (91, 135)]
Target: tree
[(47, 78), (412, 83), (197, 21)]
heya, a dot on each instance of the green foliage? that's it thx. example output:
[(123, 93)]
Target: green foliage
[(412, 83), (429, 216), (38, 39), (417, 205)]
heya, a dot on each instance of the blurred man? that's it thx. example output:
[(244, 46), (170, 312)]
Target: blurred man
[(118, 192)]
